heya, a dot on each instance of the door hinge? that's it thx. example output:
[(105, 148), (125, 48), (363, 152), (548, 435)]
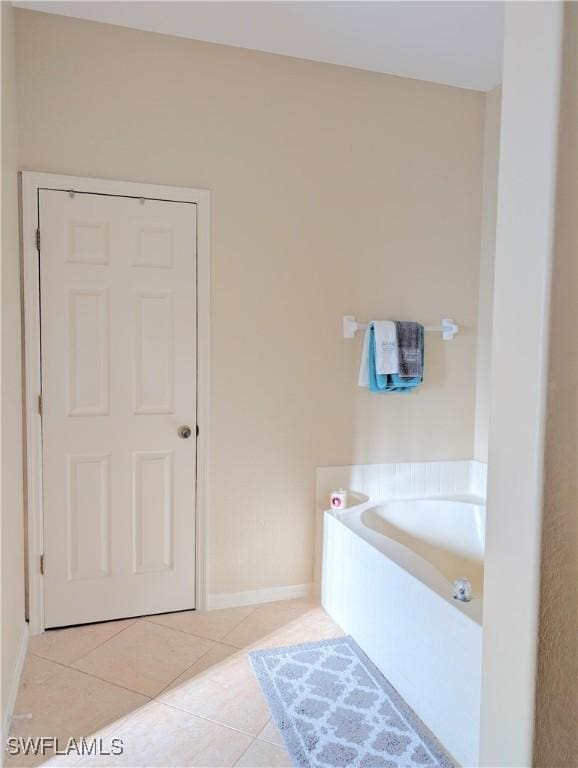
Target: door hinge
[(42, 564), (38, 239), (40, 405), (197, 430)]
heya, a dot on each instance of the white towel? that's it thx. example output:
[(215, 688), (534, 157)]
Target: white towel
[(386, 347), (363, 380), (386, 350)]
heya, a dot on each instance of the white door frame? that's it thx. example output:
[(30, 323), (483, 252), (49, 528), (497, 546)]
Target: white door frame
[(31, 183)]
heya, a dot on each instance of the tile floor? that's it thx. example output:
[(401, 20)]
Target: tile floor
[(178, 688)]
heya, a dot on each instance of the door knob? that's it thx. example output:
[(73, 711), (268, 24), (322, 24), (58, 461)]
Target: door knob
[(184, 431)]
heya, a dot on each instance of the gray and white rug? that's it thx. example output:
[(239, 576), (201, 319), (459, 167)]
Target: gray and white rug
[(335, 709)]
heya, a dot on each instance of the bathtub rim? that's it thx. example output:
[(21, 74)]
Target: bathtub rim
[(404, 557)]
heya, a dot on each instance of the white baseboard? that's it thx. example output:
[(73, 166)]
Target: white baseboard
[(14, 685), (255, 596)]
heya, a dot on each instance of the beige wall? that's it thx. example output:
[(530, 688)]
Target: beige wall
[(334, 191), (12, 619), (487, 256), (556, 738)]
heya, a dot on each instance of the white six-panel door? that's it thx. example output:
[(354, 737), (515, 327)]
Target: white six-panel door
[(118, 345)]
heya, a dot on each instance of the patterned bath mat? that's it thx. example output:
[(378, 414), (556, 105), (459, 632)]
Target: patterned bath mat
[(335, 709)]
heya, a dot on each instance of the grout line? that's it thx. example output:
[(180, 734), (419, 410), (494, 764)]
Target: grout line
[(181, 631), (210, 720), (163, 626), (62, 663), (112, 729), (259, 737), (94, 677), (154, 696), (288, 621), (148, 620), (120, 631), (168, 685), (262, 741), (238, 649), (232, 647), (116, 634), (237, 627), (270, 743), (216, 642), (244, 752)]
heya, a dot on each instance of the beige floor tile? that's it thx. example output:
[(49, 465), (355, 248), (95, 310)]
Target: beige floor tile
[(263, 755), (145, 657), (267, 631), (213, 625), (212, 658), (68, 645), (228, 694), (315, 625), (265, 620), (37, 671), (210, 685), (65, 703), (272, 734), (159, 735)]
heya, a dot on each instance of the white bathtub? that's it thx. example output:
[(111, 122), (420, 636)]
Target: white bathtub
[(388, 569)]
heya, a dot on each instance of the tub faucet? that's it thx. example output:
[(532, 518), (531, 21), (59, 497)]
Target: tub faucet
[(462, 590)]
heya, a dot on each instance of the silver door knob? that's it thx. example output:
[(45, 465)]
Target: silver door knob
[(184, 431)]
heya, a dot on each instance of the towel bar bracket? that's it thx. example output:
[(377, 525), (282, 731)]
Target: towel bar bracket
[(447, 328)]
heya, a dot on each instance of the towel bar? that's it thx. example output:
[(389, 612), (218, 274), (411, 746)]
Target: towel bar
[(447, 328)]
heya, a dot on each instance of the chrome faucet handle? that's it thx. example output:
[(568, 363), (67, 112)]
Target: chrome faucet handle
[(462, 590)]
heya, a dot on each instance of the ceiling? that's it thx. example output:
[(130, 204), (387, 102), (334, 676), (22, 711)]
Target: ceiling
[(455, 43)]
